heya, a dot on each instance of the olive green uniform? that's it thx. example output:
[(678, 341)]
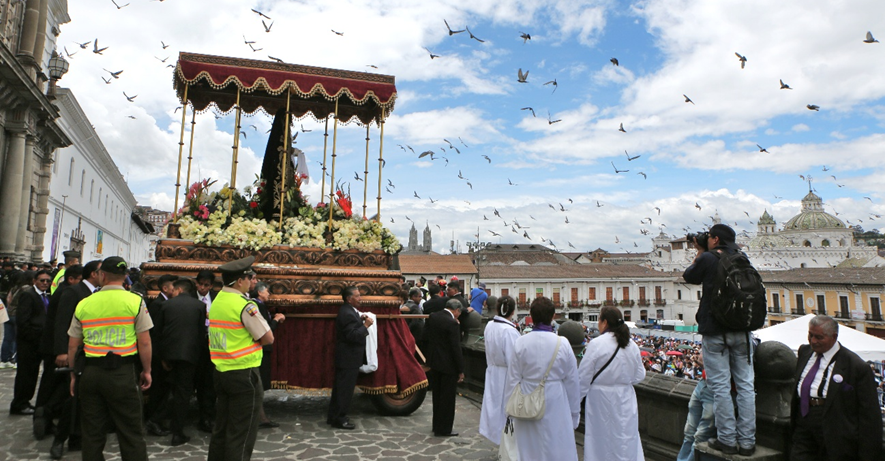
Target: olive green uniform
[(108, 322), (235, 325)]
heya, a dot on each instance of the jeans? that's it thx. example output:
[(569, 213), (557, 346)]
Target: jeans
[(699, 424), (7, 349), (728, 357)]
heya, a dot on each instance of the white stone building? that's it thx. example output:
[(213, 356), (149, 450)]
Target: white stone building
[(90, 205)]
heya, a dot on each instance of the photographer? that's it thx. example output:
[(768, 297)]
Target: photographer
[(727, 354)]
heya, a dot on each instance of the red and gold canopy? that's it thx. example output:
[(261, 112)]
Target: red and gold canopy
[(263, 85)]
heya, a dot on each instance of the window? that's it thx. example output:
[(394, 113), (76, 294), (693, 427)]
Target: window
[(806, 243), (91, 190), (642, 293), (680, 316), (822, 304), (522, 295), (843, 307), (643, 315), (658, 294), (505, 292), (574, 294), (678, 294), (99, 198), (875, 309), (625, 293), (825, 243), (591, 293), (699, 295), (800, 304), (539, 292), (626, 316), (71, 173), (555, 296), (660, 314), (609, 294), (775, 302), (82, 181)]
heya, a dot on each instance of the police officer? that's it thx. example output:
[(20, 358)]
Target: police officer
[(112, 326), (72, 258), (237, 332)]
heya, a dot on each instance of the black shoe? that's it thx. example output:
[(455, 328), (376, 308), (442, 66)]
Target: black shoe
[(268, 424), (40, 425), (179, 439), (726, 449), (155, 429), (205, 426), (450, 434), (57, 449), (345, 425), (26, 411), (747, 451)]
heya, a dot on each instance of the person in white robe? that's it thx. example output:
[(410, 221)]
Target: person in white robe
[(611, 415), (551, 437), (500, 341)]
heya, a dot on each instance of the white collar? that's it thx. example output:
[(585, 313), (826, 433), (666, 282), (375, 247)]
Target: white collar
[(828, 355), (40, 292), (89, 285), (502, 319)]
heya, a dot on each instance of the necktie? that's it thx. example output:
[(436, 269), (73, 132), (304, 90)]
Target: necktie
[(805, 394), (45, 302)]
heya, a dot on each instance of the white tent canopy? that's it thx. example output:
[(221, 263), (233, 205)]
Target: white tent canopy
[(795, 333)]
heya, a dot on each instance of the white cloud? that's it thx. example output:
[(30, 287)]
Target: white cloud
[(800, 127)]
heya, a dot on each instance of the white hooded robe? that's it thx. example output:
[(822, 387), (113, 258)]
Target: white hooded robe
[(500, 341)]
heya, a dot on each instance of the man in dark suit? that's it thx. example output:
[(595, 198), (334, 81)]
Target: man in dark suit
[(184, 319), (835, 414), (52, 382), (436, 303), (205, 368), (443, 335), (67, 304), (159, 390), (29, 318), (351, 330)]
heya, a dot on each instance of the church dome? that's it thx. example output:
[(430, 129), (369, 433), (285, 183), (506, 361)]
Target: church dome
[(813, 216)]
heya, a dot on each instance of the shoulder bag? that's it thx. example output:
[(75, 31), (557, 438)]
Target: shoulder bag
[(531, 406), (617, 348)]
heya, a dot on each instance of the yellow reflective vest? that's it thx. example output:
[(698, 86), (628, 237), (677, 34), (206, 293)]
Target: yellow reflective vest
[(108, 320), (60, 277), (231, 346)]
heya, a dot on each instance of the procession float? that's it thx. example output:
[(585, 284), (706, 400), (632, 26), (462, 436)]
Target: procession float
[(306, 252)]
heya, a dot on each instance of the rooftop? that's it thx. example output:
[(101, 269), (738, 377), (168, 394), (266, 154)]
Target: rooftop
[(579, 271), (436, 264), (827, 275)]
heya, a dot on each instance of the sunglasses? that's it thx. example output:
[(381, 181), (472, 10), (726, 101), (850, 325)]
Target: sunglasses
[(44, 280)]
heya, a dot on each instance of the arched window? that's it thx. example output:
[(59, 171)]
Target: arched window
[(82, 181), (91, 190), (71, 172), (825, 243), (803, 265), (99, 198), (806, 243)]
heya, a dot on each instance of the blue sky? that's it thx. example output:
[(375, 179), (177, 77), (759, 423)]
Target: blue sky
[(703, 153)]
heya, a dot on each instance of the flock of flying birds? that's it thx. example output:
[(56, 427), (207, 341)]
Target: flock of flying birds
[(445, 152)]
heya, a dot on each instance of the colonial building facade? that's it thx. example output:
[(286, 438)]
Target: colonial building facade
[(91, 207), (29, 128)]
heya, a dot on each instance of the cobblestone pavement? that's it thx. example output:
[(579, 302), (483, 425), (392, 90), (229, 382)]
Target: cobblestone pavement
[(303, 433)]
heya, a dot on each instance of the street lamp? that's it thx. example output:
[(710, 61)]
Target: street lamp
[(58, 67)]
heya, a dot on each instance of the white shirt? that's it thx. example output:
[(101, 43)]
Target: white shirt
[(89, 285), (207, 300), (39, 292), (826, 364)]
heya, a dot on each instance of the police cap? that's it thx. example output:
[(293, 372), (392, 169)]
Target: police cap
[(114, 265), (238, 267), (71, 254)]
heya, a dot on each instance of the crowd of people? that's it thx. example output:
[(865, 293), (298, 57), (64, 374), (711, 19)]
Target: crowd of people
[(111, 360)]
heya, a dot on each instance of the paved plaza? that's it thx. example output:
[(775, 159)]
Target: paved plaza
[(303, 433)]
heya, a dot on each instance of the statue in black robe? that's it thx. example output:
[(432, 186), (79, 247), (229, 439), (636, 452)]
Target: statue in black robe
[(276, 153)]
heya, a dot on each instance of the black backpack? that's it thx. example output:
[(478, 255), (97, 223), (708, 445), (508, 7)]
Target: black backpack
[(738, 302)]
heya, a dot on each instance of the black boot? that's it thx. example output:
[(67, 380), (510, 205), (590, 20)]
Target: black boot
[(57, 449)]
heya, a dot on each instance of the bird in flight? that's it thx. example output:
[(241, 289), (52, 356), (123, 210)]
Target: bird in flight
[(813, 107), (118, 6), (658, 210), (697, 206), (615, 62), (870, 38), (357, 176), (599, 205), (114, 74), (762, 149), (106, 80), (130, 98), (163, 44), (303, 130), (551, 121), (266, 27), (525, 37), (161, 60), (742, 59), (551, 82), (530, 109), (95, 48), (416, 194), (520, 77), (432, 200), (426, 153), (261, 14), (452, 32), (432, 56), (474, 36), (340, 34), (621, 129), (84, 45), (247, 42), (390, 183), (644, 176), (617, 170), (687, 99), (784, 86), (276, 59), (511, 182), (487, 158), (495, 233), (629, 158)]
